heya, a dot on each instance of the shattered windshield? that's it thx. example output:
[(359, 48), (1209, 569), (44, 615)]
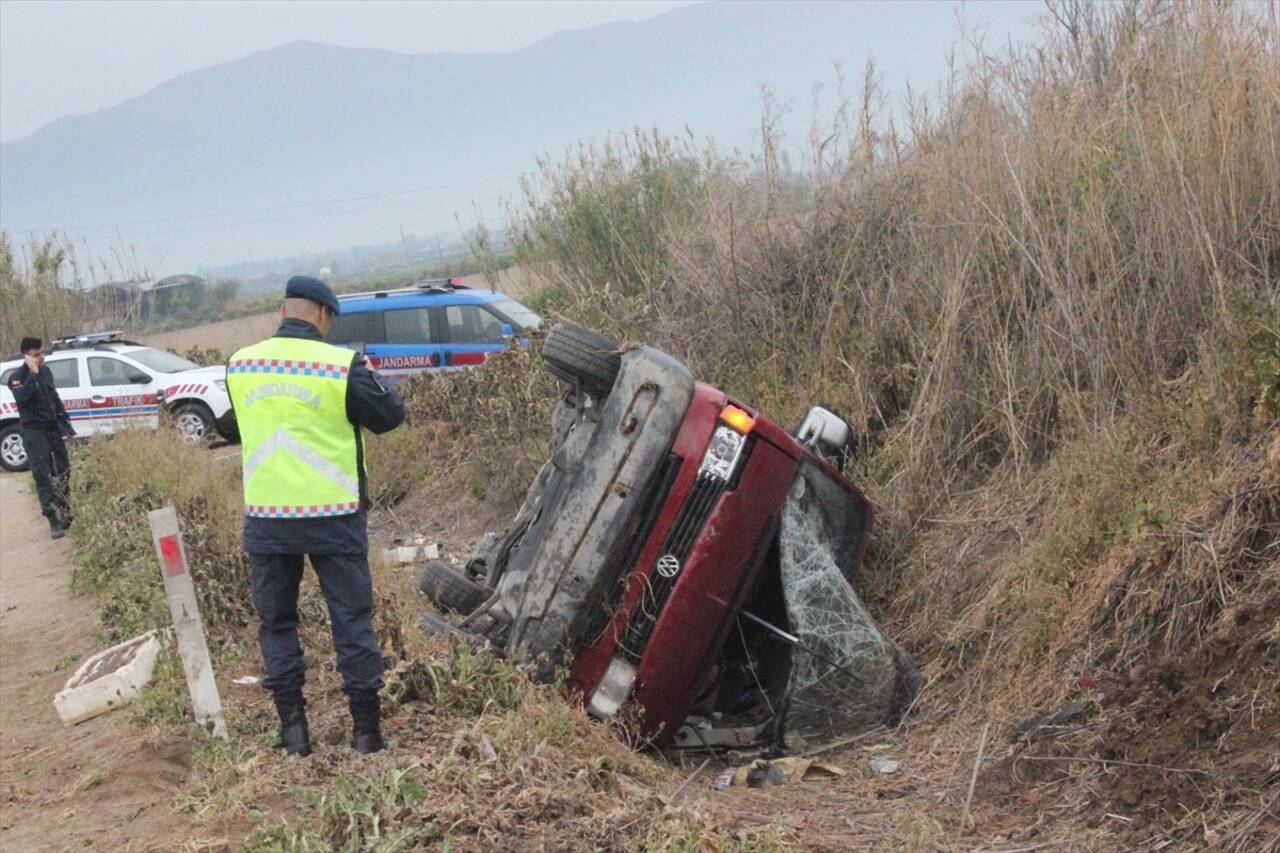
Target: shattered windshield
[(846, 674)]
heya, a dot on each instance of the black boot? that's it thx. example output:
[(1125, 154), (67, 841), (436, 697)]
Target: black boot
[(56, 531), (366, 722), (294, 737)]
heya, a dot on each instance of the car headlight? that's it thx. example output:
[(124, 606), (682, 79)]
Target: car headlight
[(614, 689), (220, 384), (726, 445)]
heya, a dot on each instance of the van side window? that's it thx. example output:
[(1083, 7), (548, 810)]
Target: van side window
[(352, 329), (471, 324), (409, 326)]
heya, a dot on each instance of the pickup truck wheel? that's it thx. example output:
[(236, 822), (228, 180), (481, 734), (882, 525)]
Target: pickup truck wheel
[(13, 455), (576, 354), (194, 422), (450, 589)]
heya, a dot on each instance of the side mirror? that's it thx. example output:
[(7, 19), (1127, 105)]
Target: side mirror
[(137, 377), (508, 330), (823, 429)]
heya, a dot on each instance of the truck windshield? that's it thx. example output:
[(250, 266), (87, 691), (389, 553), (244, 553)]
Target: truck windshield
[(161, 361), (522, 316)]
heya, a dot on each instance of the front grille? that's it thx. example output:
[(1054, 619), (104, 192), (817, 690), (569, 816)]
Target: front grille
[(693, 517)]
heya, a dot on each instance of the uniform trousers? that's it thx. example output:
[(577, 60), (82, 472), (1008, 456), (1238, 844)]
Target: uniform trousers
[(348, 591), (47, 456)]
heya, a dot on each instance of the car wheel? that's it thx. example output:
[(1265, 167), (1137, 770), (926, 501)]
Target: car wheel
[(194, 422), (13, 455), (450, 589), (575, 354)]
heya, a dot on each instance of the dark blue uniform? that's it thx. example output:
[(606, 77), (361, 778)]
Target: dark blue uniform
[(44, 423), (339, 550)]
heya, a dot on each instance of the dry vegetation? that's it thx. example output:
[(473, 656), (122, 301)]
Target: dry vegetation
[(1050, 306), (480, 757)]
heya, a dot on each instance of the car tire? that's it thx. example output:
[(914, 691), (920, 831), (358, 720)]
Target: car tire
[(231, 434), (13, 456), (449, 589), (580, 355), (194, 422)]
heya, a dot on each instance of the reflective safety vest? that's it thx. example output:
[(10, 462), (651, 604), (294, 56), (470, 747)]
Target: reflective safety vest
[(299, 449)]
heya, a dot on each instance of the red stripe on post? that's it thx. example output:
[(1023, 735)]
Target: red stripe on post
[(171, 550)]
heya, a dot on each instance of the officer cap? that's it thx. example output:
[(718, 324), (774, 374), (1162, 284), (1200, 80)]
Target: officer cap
[(309, 287)]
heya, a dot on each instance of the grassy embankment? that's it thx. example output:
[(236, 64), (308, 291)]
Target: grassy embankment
[(1048, 303)]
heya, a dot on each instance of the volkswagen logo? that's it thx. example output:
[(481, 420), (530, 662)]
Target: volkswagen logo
[(668, 565)]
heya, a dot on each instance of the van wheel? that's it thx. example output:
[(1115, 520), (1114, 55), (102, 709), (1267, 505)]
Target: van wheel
[(575, 354), (194, 422), (13, 455), (449, 589)]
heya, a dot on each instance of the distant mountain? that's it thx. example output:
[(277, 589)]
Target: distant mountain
[(410, 140)]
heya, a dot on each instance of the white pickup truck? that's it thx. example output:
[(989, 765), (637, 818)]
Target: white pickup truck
[(107, 384)]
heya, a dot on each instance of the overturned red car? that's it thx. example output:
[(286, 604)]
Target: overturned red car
[(685, 561)]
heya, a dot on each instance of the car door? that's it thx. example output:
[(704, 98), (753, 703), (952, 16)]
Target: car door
[(70, 380), (121, 394), (410, 344), (471, 333)]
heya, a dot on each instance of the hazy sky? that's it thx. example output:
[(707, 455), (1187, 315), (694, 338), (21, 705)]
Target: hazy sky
[(60, 58)]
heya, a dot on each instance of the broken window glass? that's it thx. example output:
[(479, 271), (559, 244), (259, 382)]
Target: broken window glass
[(847, 675)]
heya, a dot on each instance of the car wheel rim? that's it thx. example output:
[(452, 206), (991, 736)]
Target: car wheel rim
[(191, 426), (13, 451)]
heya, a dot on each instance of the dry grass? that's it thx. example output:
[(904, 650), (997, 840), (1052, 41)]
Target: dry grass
[(42, 289), (483, 433), (116, 480), (1048, 301)]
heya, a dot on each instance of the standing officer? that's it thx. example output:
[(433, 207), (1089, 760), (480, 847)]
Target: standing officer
[(300, 404), (44, 423)]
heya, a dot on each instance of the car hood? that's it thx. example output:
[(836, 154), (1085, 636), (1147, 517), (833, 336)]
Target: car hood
[(199, 381), (203, 374)]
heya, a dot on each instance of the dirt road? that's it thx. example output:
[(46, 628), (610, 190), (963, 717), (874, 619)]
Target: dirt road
[(103, 783)]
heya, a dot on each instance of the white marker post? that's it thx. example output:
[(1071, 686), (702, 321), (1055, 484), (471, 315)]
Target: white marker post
[(181, 593)]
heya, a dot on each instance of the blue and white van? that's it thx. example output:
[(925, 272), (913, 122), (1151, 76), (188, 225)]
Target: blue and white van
[(435, 324)]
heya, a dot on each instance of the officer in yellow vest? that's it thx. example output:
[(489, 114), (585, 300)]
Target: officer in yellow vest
[(300, 405)]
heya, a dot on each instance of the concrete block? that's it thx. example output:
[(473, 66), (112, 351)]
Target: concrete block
[(108, 679)]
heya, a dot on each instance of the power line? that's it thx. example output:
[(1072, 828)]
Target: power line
[(309, 215), (271, 209)]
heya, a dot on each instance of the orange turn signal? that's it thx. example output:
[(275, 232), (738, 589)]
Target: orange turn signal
[(737, 418)]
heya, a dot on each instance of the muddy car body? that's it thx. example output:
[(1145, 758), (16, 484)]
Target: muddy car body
[(650, 534)]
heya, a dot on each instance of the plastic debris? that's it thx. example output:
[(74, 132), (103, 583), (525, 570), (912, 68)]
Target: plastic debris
[(792, 768), (766, 775), (108, 679), (885, 766)]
